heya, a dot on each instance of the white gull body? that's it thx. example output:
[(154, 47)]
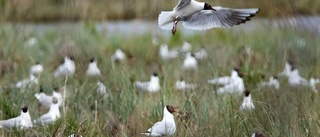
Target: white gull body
[(66, 69), (93, 69), (271, 83), (21, 122), (52, 115), (201, 16), (166, 127), (247, 103), (149, 86), (167, 54), (190, 62)]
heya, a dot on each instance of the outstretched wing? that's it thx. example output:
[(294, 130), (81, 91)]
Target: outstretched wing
[(181, 4), (218, 18)]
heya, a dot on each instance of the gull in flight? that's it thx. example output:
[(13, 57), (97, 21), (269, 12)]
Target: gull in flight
[(66, 69), (52, 115), (190, 62), (150, 86), (247, 103), (93, 69), (167, 54), (273, 82), (21, 122), (166, 127), (202, 16), (46, 100)]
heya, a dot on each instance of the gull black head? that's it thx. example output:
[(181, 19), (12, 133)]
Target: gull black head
[(92, 60), (57, 89), (155, 74), (37, 63), (247, 92), (275, 76), (24, 108), (207, 7), (41, 89), (171, 109)]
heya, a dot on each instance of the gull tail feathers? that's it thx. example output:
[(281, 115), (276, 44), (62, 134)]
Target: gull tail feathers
[(165, 21)]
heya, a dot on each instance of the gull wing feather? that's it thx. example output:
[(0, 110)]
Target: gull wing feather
[(181, 4), (218, 18)]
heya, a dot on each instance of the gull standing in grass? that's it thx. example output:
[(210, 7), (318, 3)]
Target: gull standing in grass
[(201, 54), (27, 82), (186, 47), (287, 69), (36, 69), (202, 16), (273, 82), (182, 85), (21, 122), (93, 69), (166, 127), (190, 62), (46, 100), (234, 84), (256, 134), (52, 115), (312, 84), (150, 86), (226, 79), (167, 54), (66, 69), (247, 103), (295, 79), (102, 88), (118, 56)]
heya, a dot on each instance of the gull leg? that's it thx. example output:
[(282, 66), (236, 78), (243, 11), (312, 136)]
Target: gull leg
[(174, 29)]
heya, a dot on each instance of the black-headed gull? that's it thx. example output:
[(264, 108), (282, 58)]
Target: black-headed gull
[(93, 69), (186, 47), (46, 100), (190, 62), (101, 88), (273, 82), (21, 122), (66, 69), (236, 85), (150, 86), (295, 79), (27, 82), (247, 103), (202, 16), (256, 134), (226, 79), (287, 69), (166, 127), (118, 56), (182, 85), (52, 115), (167, 54), (312, 84), (201, 54), (36, 69)]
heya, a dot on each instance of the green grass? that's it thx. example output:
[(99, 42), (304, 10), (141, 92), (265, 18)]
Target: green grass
[(286, 112), (77, 10)]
